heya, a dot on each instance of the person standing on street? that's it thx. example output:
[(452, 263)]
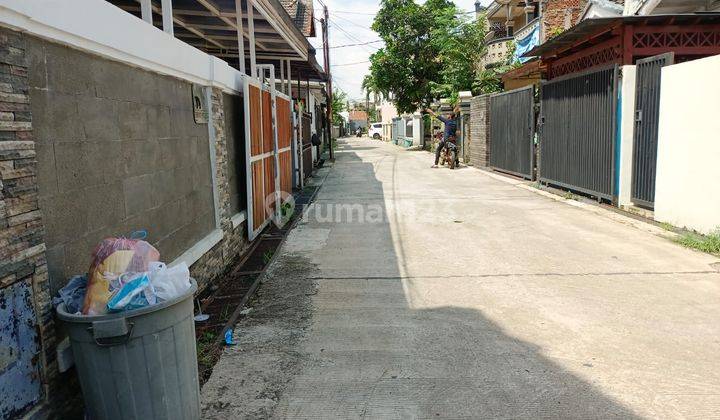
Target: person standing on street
[(450, 131)]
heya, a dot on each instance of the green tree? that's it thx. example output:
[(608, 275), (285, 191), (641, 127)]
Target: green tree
[(460, 41), (429, 52), (339, 104), (490, 79), (370, 87)]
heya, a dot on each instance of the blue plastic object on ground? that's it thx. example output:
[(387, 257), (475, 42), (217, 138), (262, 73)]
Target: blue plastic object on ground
[(229, 341)]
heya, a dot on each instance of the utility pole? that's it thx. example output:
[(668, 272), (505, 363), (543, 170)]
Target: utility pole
[(367, 110), (326, 60)]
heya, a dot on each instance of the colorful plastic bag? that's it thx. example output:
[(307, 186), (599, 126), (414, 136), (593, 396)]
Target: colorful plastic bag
[(134, 294), (111, 258)]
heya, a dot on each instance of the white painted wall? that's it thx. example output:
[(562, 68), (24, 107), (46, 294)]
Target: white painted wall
[(627, 128), (417, 129), (687, 189), (101, 28), (387, 111)]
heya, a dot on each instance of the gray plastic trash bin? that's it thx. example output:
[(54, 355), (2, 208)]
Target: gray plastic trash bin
[(139, 364)]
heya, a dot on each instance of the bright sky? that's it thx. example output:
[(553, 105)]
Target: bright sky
[(350, 22)]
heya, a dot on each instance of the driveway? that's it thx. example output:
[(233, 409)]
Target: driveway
[(411, 292)]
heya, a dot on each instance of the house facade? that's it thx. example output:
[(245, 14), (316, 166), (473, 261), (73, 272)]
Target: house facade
[(120, 116)]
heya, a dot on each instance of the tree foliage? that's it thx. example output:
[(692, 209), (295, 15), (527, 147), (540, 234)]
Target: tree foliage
[(489, 80), (339, 101), (429, 51)]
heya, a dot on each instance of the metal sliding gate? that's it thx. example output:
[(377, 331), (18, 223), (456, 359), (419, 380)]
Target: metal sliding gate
[(577, 146), (398, 130), (512, 120), (268, 152), (647, 107), (307, 161)]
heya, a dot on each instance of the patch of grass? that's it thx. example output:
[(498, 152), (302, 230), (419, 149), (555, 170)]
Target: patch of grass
[(225, 313), (709, 243), (569, 195), (205, 351), (267, 256), (667, 226)]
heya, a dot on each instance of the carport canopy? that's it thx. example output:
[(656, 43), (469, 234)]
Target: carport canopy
[(213, 26)]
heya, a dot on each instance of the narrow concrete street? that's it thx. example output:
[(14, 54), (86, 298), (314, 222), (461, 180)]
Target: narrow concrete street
[(411, 292)]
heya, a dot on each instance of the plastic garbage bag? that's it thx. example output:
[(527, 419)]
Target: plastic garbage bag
[(169, 282), (73, 294), (111, 258), (136, 292)]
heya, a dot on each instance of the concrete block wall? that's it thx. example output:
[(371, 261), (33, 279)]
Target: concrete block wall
[(118, 151), (479, 142)]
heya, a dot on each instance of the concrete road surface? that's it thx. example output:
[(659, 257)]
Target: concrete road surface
[(451, 294)]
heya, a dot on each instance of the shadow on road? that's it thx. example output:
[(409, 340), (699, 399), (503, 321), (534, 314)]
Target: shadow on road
[(368, 351)]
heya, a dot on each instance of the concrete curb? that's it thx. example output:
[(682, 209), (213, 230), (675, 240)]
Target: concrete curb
[(638, 224)]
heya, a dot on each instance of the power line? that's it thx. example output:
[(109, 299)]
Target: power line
[(367, 28), (349, 64), (358, 44), (354, 13), (346, 12), (352, 37)]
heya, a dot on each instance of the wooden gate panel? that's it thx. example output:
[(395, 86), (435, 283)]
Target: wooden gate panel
[(268, 148), (269, 167), (257, 147), (284, 123), (258, 212), (307, 161), (285, 159)]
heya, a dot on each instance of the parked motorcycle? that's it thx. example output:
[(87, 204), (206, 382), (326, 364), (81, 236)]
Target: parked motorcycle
[(449, 154), (358, 132)]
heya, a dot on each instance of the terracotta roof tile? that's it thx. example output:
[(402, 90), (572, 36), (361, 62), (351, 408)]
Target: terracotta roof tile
[(301, 12)]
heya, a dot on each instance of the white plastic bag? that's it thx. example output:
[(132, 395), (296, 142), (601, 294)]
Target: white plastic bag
[(171, 282)]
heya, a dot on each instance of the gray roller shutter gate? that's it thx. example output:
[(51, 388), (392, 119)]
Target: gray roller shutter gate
[(512, 127), (578, 132), (645, 138)]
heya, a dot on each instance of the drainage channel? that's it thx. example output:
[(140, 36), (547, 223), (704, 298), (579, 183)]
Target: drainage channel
[(224, 303)]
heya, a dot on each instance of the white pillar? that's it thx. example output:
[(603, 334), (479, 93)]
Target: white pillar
[(240, 35), (146, 11), (167, 17), (289, 80), (627, 134), (251, 32), (282, 75)]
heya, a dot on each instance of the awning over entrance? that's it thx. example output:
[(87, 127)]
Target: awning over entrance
[(212, 26), (623, 40)]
